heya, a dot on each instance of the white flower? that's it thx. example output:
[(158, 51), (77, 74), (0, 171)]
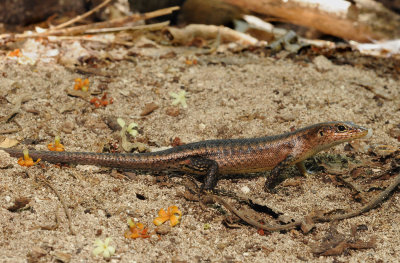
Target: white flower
[(121, 122), (103, 247), (131, 129), (179, 98)]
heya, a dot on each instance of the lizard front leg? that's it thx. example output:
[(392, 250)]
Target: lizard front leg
[(272, 181)]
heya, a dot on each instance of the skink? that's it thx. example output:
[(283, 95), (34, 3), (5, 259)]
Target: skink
[(212, 158)]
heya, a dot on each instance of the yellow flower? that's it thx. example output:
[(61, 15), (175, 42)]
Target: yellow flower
[(103, 247), (173, 214)]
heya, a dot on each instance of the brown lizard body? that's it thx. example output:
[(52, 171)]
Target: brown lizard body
[(215, 157)]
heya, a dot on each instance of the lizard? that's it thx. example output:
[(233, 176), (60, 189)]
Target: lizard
[(212, 158)]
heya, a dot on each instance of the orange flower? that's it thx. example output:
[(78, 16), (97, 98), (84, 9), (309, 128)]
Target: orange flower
[(136, 230), (101, 102), (81, 85), (56, 146), (191, 62), (14, 53), (26, 160), (173, 214)]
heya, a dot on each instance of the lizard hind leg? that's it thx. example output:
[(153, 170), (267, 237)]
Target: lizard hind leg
[(207, 167)]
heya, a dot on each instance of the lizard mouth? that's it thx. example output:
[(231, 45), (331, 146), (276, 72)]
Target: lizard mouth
[(363, 133), (358, 132)]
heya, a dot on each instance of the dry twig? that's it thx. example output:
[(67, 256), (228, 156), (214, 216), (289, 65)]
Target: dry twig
[(55, 226), (12, 130), (251, 221), (56, 39), (47, 183), (16, 109), (80, 17), (373, 90), (314, 217), (190, 32), (76, 30), (150, 27), (370, 205)]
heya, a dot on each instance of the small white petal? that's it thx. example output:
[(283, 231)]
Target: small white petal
[(121, 122), (107, 241), (97, 250), (111, 249), (106, 253), (133, 133), (98, 243)]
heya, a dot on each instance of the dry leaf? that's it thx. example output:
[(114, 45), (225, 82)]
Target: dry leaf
[(149, 108), (8, 143), (19, 204), (62, 257)]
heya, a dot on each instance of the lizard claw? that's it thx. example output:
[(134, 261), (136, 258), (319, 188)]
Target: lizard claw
[(308, 173)]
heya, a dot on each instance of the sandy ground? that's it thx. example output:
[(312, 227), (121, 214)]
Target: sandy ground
[(228, 96)]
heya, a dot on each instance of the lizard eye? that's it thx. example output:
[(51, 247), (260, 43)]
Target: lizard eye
[(321, 133), (341, 128)]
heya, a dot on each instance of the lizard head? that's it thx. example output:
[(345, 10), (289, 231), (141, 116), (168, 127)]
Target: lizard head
[(333, 133)]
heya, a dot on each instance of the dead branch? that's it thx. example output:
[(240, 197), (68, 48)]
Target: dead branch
[(370, 205), (308, 222), (347, 20), (251, 221), (378, 94), (150, 27), (13, 130), (84, 38), (112, 23), (76, 30)]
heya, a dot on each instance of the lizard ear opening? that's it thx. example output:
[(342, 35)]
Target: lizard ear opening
[(321, 133)]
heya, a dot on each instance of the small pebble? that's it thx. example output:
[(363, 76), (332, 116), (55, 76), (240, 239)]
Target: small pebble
[(245, 189), (68, 127), (163, 229), (149, 108)]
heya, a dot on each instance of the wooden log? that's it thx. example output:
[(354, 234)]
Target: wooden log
[(359, 20)]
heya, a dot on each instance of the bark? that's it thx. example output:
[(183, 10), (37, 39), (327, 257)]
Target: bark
[(363, 20)]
